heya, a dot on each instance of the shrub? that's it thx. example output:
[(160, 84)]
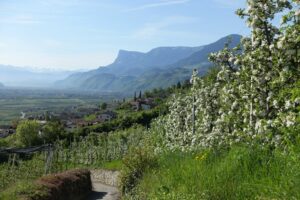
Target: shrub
[(28, 133), (135, 164)]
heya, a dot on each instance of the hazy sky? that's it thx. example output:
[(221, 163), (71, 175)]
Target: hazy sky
[(81, 34)]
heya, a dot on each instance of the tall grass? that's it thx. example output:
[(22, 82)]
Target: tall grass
[(239, 173), (24, 170)]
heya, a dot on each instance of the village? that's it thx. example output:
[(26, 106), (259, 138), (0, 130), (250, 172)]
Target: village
[(74, 117)]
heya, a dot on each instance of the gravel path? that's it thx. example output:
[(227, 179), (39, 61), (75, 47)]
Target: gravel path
[(104, 192)]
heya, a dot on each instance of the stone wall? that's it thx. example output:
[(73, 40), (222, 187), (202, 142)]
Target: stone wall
[(108, 177)]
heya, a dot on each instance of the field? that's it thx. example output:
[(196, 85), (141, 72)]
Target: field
[(14, 101), (11, 109)]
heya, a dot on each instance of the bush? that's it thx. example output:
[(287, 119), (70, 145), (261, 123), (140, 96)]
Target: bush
[(135, 164), (52, 131), (28, 133)]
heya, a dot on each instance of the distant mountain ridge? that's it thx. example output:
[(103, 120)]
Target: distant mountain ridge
[(135, 62), (160, 67), (30, 77)]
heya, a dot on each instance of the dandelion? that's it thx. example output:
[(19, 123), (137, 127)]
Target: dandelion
[(201, 157)]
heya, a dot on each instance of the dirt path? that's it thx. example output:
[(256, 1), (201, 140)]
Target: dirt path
[(104, 192)]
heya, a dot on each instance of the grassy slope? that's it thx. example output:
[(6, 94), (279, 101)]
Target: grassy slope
[(240, 173)]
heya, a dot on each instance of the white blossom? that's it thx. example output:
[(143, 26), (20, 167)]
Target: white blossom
[(275, 103), (244, 103), (288, 104), (290, 120)]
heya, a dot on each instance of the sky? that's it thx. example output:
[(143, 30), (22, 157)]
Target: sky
[(86, 34)]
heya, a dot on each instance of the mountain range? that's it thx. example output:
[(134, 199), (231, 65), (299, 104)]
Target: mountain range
[(29, 77), (160, 67)]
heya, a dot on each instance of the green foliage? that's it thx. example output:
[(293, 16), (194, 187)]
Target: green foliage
[(90, 117), (52, 131), (21, 170), (103, 106), (163, 93), (125, 106), (28, 133), (24, 190), (31, 133), (142, 118), (135, 164), (238, 173), (97, 149), (94, 151), (113, 165)]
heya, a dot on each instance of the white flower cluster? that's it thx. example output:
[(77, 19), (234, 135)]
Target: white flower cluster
[(242, 104)]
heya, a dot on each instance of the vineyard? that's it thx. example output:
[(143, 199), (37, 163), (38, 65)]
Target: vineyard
[(89, 152)]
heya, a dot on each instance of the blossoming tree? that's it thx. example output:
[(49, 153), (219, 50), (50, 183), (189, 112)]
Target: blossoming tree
[(251, 98)]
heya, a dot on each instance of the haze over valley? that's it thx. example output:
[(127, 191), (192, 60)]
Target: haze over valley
[(12, 76)]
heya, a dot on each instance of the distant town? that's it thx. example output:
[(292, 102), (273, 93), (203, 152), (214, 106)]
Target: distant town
[(73, 117)]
